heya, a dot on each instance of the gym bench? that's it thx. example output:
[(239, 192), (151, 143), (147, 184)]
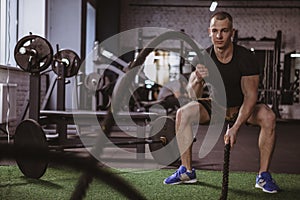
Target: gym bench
[(63, 118)]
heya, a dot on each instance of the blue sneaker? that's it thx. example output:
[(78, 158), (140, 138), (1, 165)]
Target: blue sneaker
[(181, 176), (265, 182)]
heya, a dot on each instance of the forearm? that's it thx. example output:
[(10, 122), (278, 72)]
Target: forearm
[(245, 111), (195, 87)]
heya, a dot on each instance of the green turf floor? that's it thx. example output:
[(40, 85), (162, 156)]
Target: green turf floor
[(58, 183)]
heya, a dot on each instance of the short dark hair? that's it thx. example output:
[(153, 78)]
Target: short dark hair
[(221, 15)]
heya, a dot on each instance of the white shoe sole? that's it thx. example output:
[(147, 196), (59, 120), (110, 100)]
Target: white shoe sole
[(264, 190), (190, 181), (182, 182)]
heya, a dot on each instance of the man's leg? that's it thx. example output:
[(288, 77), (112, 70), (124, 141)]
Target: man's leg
[(193, 112), (266, 119), (186, 116)]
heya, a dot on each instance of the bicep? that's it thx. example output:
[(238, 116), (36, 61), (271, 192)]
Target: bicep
[(250, 85)]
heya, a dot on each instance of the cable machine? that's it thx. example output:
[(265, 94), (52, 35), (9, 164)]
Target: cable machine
[(268, 51)]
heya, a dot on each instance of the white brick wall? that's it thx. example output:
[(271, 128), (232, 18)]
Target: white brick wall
[(20, 78)]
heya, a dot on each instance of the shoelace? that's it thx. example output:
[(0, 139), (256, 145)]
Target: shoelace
[(268, 179), (177, 173)]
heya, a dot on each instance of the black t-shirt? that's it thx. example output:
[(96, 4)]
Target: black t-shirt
[(243, 63)]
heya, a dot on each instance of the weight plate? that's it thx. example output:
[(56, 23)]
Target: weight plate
[(29, 134), (91, 81), (68, 59), (33, 53), (167, 152)]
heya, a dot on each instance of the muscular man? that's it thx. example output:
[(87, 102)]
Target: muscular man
[(241, 78)]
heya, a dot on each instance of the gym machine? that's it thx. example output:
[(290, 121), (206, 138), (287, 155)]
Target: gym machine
[(290, 81), (268, 51)]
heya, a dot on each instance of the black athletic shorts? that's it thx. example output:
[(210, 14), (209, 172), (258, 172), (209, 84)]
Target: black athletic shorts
[(207, 104)]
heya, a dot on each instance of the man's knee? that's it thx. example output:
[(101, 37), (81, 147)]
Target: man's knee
[(267, 117), (181, 116), (178, 115), (187, 114)]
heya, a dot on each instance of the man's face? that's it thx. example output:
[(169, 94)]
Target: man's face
[(220, 32)]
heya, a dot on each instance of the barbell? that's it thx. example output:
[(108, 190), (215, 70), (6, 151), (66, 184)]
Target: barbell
[(162, 145)]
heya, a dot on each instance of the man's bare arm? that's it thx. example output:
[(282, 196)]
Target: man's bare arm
[(250, 90)]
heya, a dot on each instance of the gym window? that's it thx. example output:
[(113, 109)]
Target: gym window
[(17, 19)]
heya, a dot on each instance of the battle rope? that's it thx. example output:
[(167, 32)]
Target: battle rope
[(72, 160), (225, 172)]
